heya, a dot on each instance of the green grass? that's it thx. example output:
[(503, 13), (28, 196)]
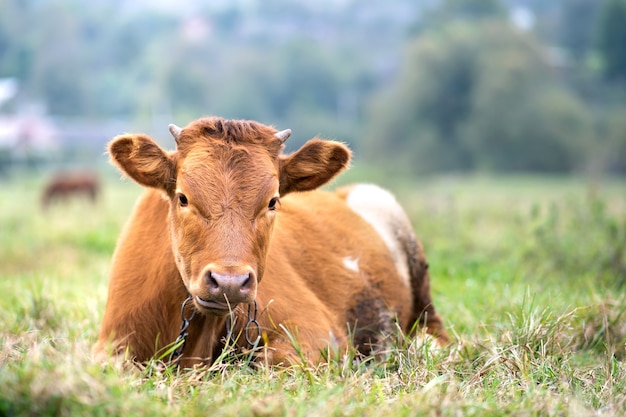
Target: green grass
[(529, 274)]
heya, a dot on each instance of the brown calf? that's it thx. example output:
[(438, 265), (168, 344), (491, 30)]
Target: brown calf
[(228, 221)]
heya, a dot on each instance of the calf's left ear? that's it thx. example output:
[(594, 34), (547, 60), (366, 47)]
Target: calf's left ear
[(139, 157), (313, 165)]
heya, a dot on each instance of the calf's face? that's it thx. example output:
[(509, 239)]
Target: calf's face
[(224, 183)]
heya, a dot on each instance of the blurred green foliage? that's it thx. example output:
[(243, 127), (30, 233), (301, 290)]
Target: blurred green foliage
[(611, 40), (478, 94), (427, 86), (579, 236), (479, 97)]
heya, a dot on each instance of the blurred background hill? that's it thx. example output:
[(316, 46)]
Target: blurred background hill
[(418, 87)]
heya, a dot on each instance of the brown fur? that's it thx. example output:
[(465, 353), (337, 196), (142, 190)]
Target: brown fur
[(62, 186), (228, 173)]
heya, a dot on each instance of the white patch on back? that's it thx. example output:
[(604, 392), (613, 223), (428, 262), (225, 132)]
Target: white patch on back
[(351, 263), (380, 209)]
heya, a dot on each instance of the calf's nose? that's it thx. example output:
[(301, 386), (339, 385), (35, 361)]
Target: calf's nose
[(235, 287)]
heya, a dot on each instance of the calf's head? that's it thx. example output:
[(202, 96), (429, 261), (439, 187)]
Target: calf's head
[(224, 182)]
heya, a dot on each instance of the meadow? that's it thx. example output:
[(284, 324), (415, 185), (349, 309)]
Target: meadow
[(529, 274)]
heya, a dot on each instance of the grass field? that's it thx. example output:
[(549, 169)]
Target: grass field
[(529, 274)]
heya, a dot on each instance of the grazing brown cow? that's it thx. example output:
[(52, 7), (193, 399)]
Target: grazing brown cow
[(63, 185), (230, 222)]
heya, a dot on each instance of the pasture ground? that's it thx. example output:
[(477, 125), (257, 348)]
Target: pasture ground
[(529, 274)]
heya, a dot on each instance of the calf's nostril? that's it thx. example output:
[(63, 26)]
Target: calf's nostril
[(211, 281), (247, 282)]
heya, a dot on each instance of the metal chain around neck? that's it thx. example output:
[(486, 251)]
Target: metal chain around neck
[(181, 340), (251, 325)]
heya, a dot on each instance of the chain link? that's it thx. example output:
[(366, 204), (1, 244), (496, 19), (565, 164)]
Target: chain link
[(181, 340), (252, 324), (252, 321)]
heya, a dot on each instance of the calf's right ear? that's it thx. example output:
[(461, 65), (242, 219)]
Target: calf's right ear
[(140, 158)]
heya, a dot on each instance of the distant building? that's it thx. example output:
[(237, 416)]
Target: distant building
[(23, 133)]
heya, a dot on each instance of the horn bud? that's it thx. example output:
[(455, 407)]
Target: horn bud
[(283, 135), (175, 131)]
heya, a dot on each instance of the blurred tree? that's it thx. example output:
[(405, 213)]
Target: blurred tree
[(610, 150), (5, 45), (420, 117), (541, 130), (17, 47), (478, 97), (444, 11), (577, 23), (612, 39), (59, 70)]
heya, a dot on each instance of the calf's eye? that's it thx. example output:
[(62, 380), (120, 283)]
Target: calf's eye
[(273, 203), (182, 200)]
